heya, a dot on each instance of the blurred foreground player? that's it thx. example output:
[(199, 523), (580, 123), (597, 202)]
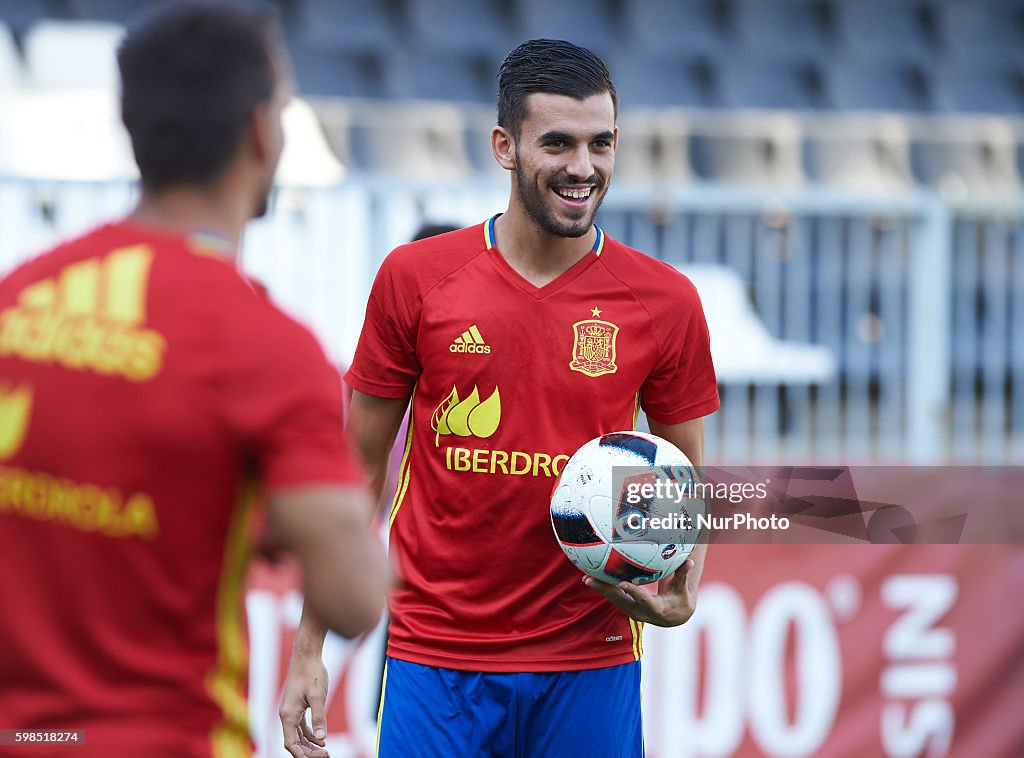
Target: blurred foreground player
[(147, 390), (518, 340)]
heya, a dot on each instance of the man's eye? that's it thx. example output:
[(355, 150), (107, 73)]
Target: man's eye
[(556, 143)]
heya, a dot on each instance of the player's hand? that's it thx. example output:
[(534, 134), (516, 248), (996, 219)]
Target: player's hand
[(673, 605), (305, 687)]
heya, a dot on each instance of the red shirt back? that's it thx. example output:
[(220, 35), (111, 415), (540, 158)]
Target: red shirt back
[(508, 380), (145, 387)]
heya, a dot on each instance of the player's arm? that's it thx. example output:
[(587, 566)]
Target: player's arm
[(373, 424), (345, 573), (345, 578), (676, 600)]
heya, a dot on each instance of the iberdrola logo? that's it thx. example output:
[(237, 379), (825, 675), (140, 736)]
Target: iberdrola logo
[(470, 417)]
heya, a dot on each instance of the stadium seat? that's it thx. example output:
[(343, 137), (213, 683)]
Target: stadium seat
[(11, 73), (415, 141), (460, 26), (345, 26), (654, 146), (664, 80), (73, 54), (334, 117), (761, 150), (425, 75), (751, 81), (883, 29), (866, 153), (965, 156), (981, 86), (20, 14), (68, 135), (783, 27), (338, 73), (591, 25), (107, 10), (982, 30), (675, 26), (307, 160), (880, 85), (742, 348)]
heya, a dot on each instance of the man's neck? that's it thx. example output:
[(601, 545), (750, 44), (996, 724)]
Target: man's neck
[(192, 210), (536, 255)]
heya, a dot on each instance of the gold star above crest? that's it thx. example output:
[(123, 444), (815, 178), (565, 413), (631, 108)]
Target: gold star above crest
[(595, 312)]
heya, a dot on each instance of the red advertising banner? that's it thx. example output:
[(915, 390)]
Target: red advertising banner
[(795, 650)]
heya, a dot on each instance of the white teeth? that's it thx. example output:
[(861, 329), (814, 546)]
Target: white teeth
[(575, 194)]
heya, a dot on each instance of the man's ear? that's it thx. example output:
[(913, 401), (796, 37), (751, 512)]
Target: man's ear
[(503, 146), (262, 131)]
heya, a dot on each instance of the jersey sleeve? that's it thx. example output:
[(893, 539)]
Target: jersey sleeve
[(682, 385), (385, 362), (279, 395)]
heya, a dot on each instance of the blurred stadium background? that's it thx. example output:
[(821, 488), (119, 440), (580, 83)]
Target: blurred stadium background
[(842, 181)]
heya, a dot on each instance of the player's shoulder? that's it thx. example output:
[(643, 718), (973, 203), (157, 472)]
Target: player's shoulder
[(651, 280), (239, 304), (237, 314), (188, 277), (429, 260), (94, 242), (120, 245)]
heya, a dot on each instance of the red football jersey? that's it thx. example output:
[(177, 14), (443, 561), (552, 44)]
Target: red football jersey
[(144, 384), (507, 381)]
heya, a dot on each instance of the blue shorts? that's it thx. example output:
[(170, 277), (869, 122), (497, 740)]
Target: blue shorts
[(429, 712)]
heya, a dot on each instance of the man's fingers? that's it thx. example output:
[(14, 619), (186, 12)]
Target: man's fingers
[(679, 576), (309, 734), (300, 739), (318, 717), (290, 728), (292, 742), (311, 750), (635, 593), (316, 732), (613, 593)]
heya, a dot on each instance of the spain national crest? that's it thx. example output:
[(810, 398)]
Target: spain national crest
[(593, 347)]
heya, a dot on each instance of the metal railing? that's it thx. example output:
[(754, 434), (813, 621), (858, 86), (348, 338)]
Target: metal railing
[(921, 304)]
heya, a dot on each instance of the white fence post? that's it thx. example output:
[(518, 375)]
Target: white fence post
[(930, 326)]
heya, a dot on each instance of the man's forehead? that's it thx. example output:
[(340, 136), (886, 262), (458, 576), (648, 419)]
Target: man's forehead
[(549, 112)]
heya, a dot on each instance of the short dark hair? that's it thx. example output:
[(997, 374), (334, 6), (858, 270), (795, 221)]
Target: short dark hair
[(192, 72), (553, 66)]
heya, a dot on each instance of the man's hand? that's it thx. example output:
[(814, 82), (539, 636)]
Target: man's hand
[(673, 605), (305, 687)]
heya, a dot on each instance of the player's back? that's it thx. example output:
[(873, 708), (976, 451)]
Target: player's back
[(131, 395)]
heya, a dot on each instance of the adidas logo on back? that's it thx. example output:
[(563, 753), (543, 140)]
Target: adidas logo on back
[(470, 341)]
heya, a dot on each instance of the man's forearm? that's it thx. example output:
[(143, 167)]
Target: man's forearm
[(378, 474), (310, 636)]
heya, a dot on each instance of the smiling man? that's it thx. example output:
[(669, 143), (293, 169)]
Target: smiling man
[(517, 340)]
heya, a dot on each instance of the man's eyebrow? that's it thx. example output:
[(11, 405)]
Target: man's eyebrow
[(563, 137), (553, 136)]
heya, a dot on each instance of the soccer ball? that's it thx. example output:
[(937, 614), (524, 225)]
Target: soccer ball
[(585, 510)]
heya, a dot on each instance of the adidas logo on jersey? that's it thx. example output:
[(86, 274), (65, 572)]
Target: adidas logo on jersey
[(90, 316), (470, 341)]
